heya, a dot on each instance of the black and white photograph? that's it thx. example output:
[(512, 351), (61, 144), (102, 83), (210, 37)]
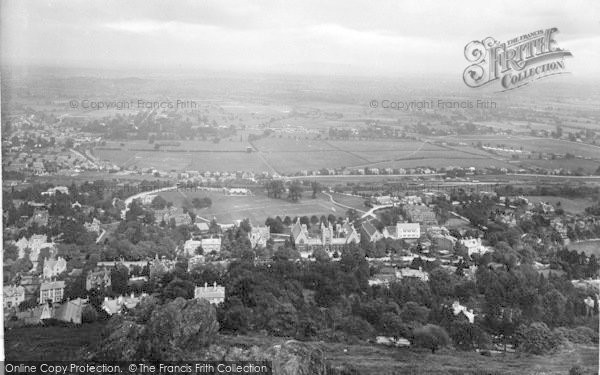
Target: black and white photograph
[(300, 187)]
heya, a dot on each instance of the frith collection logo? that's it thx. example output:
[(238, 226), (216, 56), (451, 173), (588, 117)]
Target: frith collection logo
[(514, 63)]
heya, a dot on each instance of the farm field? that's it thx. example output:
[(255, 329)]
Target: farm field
[(444, 162), (180, 161), (316, 160), (534, 144), (573, 206), (589, 166), (192, 146), (257, 208), (589, 247), (290, 155)]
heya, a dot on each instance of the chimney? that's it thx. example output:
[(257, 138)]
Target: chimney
[(215, 285), (205, 285)]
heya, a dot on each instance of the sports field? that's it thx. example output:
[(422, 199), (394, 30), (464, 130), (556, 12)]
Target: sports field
[(257, 208), (572, 206)]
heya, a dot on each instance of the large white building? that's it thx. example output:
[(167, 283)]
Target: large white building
[(473, 246), (52, 290), (190, 246), (214, 294), (211, 244), (329, 237), (403, 231)]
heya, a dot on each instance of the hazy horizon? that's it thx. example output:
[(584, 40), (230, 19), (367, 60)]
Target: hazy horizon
[(409, 39)]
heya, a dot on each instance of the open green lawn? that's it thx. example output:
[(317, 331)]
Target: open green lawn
[(589, 247), (357, 203), (257, 208), (73, 343), (573, 206)]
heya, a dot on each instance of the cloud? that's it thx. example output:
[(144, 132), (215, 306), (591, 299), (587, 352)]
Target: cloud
[(372, 38)]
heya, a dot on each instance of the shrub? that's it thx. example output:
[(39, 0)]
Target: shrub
[(172, 332), (537, 338), (467, 336), (357, 327), (89, 314), (431, 337)]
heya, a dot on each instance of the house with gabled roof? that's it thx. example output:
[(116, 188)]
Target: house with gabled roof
[(259, 236), (371, 233), (54, 267), (214, 294), (458, 309), (13, 295), (52, 290)]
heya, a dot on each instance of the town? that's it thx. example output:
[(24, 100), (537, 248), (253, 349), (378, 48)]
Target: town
[(299, 188)]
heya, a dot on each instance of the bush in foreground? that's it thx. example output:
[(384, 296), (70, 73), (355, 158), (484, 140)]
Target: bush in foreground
[(431, 337), (537, 338)]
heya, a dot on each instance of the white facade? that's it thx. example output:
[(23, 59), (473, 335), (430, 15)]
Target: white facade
[(473, 246), (214, 294), (190, 246), (211, 244), (408, 230), (52, 290)]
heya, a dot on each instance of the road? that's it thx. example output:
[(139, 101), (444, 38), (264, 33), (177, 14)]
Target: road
[(84, 157), (371, 212), (140, 195), (340, 204)]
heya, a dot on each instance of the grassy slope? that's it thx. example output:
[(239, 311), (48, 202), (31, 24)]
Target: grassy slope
[(62, 343)]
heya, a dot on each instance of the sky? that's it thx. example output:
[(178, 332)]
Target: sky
[(367, 38)]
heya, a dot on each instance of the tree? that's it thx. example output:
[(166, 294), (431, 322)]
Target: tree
[(274, 188), (119, 276), (536, 338), (352, 215), (413, 312), (442, 283), (201, 202), (431, 337), (171, 332), (234, 316), (10, 251), (159, 203), (295, 191), (316, 188), (554, 307), (357, 327), (392, 324), (468, 336), (178, 288)]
